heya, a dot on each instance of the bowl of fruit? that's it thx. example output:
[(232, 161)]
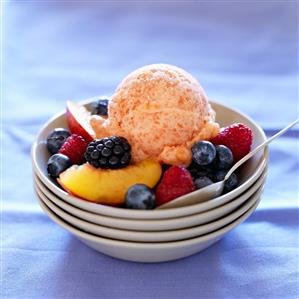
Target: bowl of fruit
[(108, 167)]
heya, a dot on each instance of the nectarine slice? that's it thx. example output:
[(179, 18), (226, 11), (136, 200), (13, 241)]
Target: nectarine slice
[(77, 120), (108, 186)]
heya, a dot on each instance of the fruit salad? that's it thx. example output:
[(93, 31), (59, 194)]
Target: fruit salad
[(154, 140)]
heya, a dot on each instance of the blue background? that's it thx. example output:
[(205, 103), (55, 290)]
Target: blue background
[(244, 53)]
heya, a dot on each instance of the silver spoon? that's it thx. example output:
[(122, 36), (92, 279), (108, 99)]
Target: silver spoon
[(216, 189)]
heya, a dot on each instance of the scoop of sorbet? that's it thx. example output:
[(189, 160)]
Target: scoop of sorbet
[(162, 111)]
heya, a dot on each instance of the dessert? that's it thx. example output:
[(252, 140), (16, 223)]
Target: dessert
[(156, 139), (161, 110)]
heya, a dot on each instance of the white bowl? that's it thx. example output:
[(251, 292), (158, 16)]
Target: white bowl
[(164, 236), (225, 116), (147, 252), (156, 224)]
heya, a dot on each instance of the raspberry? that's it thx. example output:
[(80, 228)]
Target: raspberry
[(74, 147), (237, 137), (176, 182)]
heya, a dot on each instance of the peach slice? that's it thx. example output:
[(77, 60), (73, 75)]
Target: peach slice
[(108, 186), (77, 120)]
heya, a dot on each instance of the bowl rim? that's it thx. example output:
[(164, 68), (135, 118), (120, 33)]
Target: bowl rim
[(145, 246), (172, 223), (152, 237), (163, 214), (140, 214)]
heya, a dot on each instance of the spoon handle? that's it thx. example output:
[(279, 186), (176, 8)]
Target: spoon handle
[(261, 146)]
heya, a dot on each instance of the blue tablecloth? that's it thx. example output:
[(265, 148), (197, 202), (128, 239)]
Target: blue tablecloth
[(245, 54)]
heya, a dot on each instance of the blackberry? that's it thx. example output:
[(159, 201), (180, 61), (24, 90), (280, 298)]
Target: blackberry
[(110, 152)]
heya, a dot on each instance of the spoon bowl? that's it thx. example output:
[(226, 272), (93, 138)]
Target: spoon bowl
[(201, 195)]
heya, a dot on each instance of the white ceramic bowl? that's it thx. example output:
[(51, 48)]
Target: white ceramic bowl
[(163, 236), (147, 252), (225, 116), (156, 224)]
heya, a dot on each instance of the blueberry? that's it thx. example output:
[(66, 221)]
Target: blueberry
[(202, 182), (200, 171), (100, 107), (140, 197), (57, 164), (203, 153), (56, 139), (231, 183), (220, 175), (224, 157)]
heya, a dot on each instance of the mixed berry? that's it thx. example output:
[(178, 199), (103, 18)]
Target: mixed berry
[(74, 147), (56, 139), (57, 164), (237, 137), (111, 152), (107, 167), (100, 107), (140, 197), (203, 153), (176, 181)]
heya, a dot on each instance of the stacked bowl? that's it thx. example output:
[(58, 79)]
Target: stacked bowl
[(152, 235)]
